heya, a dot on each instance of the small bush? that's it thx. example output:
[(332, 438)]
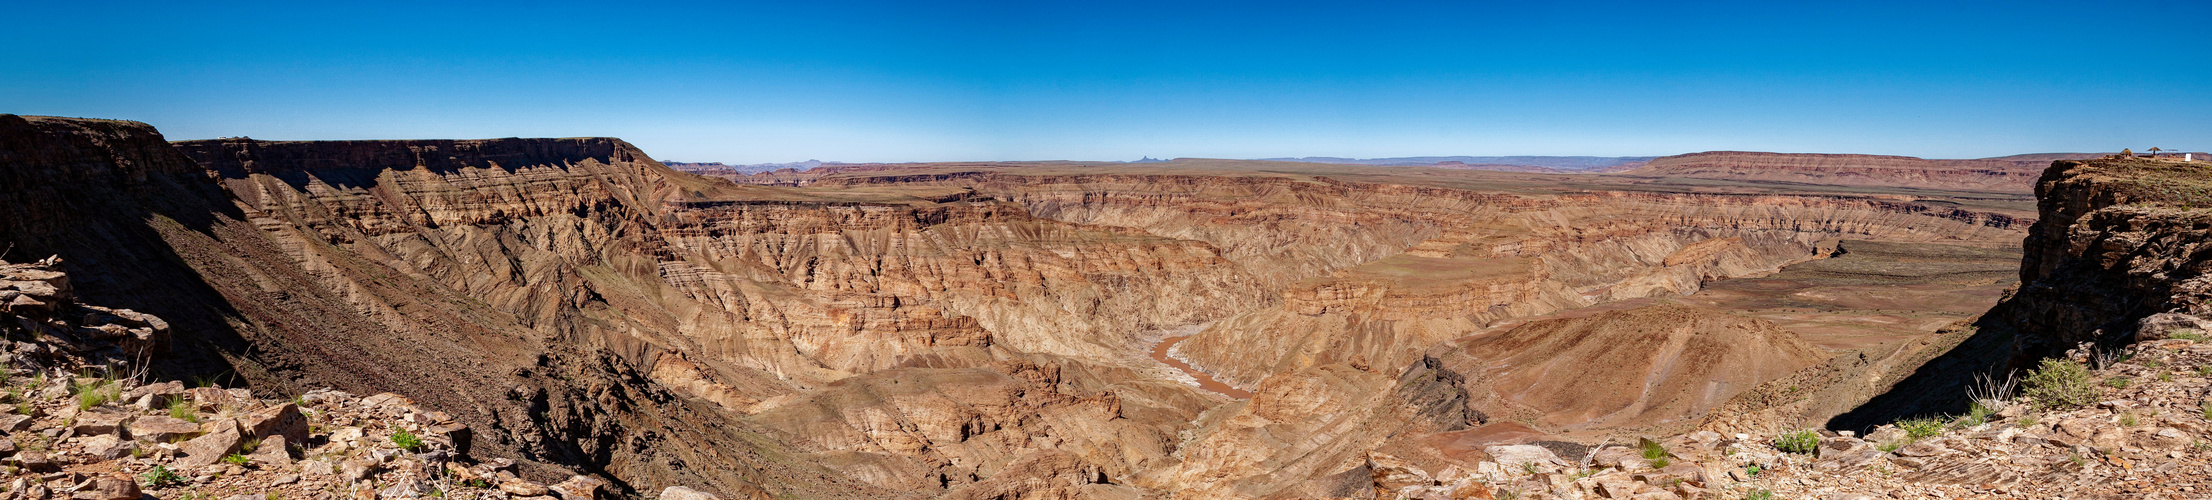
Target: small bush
[(97, 393), (237, 459), (1805, 442), (161, 477), (2061, 384), (2186, 334), (2204, 371), (1653, 451), (2205, 408), (1759, 495), (184, 410), (406, 440), (2117, 382), (1921, 427), (2127, 419)]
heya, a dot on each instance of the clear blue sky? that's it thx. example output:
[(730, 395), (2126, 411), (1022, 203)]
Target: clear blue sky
[(1116, 80)]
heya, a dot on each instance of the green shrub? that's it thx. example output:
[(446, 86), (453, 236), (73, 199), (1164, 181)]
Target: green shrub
[(184, 410), (1805, 442), (1759, 495), (97, 393), (1921, 427), (2186, 334), (160, 477), (2117, 382), (406, 440), (1653, 451), (2061, 384), (236, 459)]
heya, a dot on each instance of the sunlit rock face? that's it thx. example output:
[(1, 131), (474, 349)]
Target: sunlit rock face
[(887, 333)]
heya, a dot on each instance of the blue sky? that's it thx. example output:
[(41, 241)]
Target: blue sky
[(864, 81)]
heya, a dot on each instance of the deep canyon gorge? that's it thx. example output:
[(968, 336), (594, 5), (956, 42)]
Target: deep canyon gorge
[(1194, 329)]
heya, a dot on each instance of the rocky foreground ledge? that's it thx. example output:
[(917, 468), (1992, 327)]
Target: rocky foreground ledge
[(79, 423), (2133, 423)]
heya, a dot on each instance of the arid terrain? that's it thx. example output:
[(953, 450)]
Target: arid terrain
[(1186, 329)]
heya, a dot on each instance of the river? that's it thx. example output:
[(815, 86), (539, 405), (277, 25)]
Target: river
[(1207, 382)]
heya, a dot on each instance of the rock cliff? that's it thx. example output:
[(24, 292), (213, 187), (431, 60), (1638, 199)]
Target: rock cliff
[(2118, 255), (965, 330), (2002, 175)]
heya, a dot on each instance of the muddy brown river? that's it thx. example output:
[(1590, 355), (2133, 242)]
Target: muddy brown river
[(1207, 382)]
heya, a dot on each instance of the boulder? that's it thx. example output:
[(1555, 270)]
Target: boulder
[(211, 447), (1518, 458), (280, 420), (161, 429), (110, 488), (163, 394), (13, 423), (99, 423), (109, 447), (274, 450), (682, 493), (579, 488), (523, 488)]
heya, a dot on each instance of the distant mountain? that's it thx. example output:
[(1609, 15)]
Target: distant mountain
[(1520, 163), (1148, 159), (718, 167)]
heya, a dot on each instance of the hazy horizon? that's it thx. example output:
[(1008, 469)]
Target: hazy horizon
[(985, 81)]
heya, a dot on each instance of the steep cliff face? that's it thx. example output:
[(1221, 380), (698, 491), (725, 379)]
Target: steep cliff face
[(2120, 254), (2004, 175)]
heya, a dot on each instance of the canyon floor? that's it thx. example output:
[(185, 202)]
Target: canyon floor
[(1189, 329)]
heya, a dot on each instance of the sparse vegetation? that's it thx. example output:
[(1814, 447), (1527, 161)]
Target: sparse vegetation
[(2117, 382), (2186, 334), (2127, 419), (161, 477), (406, 440), (184, 410), (1654, 451), (1917, 428), (99, 392), (1759, 495), (2061, 384), (237, 459), (1804, 442)]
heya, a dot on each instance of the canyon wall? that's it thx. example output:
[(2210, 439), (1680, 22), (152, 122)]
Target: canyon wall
[(2119, 254), (2002, 175), (895, 332)]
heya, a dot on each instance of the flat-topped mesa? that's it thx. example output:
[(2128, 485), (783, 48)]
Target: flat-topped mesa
[(2004, 174), (54, 171), (272, 157), (387, 186)]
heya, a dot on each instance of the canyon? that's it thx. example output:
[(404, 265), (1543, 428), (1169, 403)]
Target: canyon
[(1194, 328)]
